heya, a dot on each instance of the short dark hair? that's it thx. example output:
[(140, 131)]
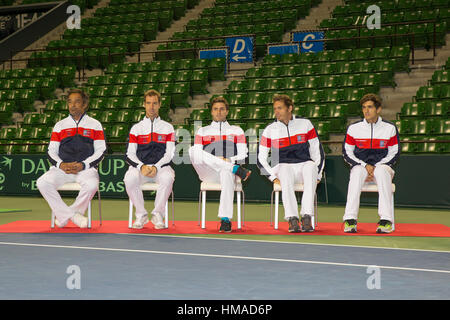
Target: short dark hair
[(220, 99), (84, 95), (152, 93), (371, 97), (283, 98)]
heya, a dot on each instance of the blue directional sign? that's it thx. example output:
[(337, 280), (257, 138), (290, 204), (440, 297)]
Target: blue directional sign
[(213, 53), (283, 49), (315, 46), (241, 49)]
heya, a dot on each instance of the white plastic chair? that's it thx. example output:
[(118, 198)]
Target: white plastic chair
[(212, 186), (152, 187), (75, 186)]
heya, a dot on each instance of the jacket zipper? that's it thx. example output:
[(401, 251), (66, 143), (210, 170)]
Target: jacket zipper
[(289, 136), (151, 130), (371, 135)]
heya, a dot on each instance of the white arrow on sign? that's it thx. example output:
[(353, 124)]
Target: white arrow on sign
[(237, 58)]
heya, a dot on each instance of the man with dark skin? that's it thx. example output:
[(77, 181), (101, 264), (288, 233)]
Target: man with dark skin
[(76, 147)]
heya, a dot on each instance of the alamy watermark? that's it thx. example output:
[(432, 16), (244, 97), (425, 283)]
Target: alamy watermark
[(74, 21), (74, 280), (374, 280)]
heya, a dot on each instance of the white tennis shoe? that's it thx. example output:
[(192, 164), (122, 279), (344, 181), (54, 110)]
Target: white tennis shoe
[(60, 225), (80, 220), (158, 221), (140, 222)]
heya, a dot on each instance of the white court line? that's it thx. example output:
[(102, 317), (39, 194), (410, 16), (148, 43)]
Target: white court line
[(223, 256), (284, 242)]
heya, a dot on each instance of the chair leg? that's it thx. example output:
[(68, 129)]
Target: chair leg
[(166, 215), (238, 200), (316, 213), (173, 211), (52, 221), (271, 208), (130, 214), (203, 209), (199, 205), (277, 199), (243, 208), (393, 216), (89, 215), (99, 207)]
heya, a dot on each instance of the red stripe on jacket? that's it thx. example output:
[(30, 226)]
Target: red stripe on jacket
[(153, 137)]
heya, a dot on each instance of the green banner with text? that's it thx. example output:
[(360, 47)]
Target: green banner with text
[(420, 180)]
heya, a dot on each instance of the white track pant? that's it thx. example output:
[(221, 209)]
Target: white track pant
[(49, 182), (293, 173), (383, 175), (215, 170), (134, 179)]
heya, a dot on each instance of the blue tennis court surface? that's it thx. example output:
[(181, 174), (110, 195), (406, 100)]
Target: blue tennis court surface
[(120, 266)]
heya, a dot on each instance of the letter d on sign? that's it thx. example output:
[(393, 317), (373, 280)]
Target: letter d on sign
[(74, 21), (74, 280)]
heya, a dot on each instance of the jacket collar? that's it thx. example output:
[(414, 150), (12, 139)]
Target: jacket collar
[(219, 124), (376, 123)]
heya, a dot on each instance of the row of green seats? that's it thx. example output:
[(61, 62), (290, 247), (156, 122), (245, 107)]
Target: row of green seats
[(435, 92), (77, 37), (397, 52), (45, 86), (422, 35), (371, 80), (23, 98), (179, 91), (189, 3), (435, 126), (79, 58), (64, 75), (440, 77), (301, 6), (244, 20), (215, 67), (429, 144), (385, 67), (355, 7), (164, 18), (425, 109), (386, 18), (303, 96), (176, 7), (198, 79)]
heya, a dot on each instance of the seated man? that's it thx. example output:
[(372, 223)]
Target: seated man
[(297, 157), (217, 148), (151, 148), (371, 148), (77, 146)]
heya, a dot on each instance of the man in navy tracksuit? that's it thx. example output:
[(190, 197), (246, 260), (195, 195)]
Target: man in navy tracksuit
[(371, 148), (150, 150), (296, 157), (76, 147)]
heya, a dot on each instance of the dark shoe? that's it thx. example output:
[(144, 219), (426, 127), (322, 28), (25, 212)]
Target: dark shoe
[(293, 225), (306, 224), (225, 226), (243, 173), (350, 226)]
